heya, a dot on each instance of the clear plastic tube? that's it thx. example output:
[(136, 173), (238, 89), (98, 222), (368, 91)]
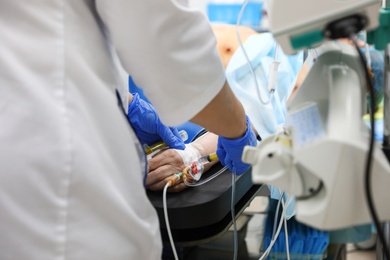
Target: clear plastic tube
[(271, 92), (205, 180), (193, 172), (165, 207), (273, 240)]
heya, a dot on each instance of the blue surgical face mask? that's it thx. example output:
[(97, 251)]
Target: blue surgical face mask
[(262, 50)]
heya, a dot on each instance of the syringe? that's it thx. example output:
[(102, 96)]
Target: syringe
[(161, 145), (208, 158)]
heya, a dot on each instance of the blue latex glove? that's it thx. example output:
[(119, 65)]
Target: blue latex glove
[(148, 126), (229, 151)]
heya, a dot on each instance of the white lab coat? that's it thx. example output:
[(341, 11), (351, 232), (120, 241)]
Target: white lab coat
[(71, 181)]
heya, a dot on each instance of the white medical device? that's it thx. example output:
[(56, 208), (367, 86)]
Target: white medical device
[(304, 23), (321, 154), (320, 157)]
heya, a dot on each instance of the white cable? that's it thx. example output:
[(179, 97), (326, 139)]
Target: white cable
[(274, 238), (267, 251), (277, 214), (167, 221), (286, 232), (271, 93), (235, 235), (281, 201)]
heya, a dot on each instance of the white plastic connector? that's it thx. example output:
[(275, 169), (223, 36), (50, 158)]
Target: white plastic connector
[(273, 75), (249, 155)]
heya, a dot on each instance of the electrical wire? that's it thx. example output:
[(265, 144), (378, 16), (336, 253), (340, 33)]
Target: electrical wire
[(312, 192), (235, 235), (271, 92), (368, 167)]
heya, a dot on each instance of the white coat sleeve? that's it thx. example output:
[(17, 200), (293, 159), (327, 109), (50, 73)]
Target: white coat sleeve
[(169, 50)]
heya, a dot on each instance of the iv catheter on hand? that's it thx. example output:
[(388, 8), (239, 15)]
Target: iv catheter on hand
[(159, 146), (193, 172)]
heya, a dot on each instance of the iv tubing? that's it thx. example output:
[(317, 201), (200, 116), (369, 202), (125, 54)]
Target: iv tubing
[(286, 233), (268, 250), (206, 180), (277, 213), (169, 183), (281, 201), (271, 93)]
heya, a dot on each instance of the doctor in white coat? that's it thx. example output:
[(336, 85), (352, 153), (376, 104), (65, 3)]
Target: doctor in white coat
[(71, 172)]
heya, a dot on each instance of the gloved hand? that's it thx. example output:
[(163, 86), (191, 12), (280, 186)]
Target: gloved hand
[(229, 151), (148, 126)]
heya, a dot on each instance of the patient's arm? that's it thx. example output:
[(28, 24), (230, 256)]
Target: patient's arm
[(169, 162)]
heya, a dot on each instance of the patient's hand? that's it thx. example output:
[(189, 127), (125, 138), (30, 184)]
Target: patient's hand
[(162, 167)]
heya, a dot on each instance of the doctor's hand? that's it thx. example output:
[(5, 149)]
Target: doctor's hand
[(148, 126), (162, 168), (229, 151)]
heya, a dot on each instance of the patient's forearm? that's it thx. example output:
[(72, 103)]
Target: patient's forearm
[(206, 144)]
